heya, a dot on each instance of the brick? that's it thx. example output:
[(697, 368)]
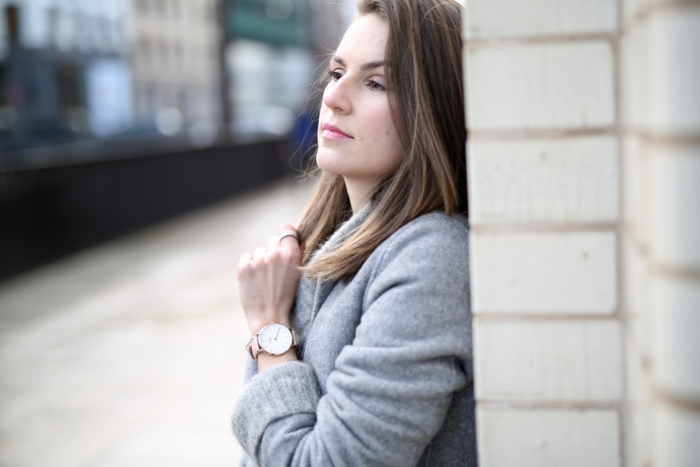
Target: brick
[(547, 361), (547, 438), (523, 18), (543, 272), (676, 435), (675, 206), (540, 86), (675, 343), (675, 70), (565, 180)]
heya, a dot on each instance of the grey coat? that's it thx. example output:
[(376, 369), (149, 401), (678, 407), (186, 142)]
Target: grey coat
[(385, 370)]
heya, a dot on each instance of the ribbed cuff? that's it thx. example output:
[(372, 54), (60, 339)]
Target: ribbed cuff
[(283, 390)]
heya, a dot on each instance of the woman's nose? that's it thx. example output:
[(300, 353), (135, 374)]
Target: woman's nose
[(336, 97)]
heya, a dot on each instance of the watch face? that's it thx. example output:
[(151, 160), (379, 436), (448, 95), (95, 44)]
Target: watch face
[(275, 339)]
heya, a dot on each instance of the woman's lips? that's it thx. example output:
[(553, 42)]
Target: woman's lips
[(333, 132)]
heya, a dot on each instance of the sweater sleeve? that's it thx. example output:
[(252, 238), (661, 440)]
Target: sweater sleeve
[(391, 388)]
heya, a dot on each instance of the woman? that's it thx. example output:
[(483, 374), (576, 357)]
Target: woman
[(378, 368)]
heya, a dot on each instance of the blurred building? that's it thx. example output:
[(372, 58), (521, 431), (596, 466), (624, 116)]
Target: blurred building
[(177, 63), (64, 70), (269, 66), (329, 21)]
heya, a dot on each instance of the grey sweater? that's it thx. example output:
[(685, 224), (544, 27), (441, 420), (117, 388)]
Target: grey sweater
[(385, 370)]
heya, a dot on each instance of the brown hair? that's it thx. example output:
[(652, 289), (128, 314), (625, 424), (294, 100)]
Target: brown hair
[(425, 91)]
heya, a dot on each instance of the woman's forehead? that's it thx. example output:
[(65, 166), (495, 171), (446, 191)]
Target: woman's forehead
[(364, 41)]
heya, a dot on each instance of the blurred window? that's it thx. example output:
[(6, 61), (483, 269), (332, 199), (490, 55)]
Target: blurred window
[(12, 23)]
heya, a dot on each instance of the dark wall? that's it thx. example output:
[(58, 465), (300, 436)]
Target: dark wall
[(50, 212)]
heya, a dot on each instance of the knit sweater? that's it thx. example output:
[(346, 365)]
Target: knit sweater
[(384, 376)]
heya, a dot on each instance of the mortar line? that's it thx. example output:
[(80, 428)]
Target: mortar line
[(616, 46), (533, 316), (655, 8), (481, 42), (499, 135), (548, 405), (670, 271), (542, 227), (665, 139), (676, 401)]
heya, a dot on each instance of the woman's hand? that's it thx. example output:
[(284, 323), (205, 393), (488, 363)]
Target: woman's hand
[(268, 281)]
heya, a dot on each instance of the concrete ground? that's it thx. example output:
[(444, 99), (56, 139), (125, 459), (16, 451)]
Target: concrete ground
[(131, 353)]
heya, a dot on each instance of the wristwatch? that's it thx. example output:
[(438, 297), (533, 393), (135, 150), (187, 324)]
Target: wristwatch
[(274, 339)]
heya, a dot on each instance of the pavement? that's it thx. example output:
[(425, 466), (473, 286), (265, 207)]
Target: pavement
[(132, 353)]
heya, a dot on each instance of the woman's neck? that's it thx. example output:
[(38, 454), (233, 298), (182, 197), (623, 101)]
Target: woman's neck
[(359, 192)]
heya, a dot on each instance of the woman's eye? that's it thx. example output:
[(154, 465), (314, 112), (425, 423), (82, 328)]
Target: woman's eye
[(335, 76), (374, 85)]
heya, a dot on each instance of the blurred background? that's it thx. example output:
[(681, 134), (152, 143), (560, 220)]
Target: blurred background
[(144, 146), (119, 113)]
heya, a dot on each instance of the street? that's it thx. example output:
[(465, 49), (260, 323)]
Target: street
[(131, 353)]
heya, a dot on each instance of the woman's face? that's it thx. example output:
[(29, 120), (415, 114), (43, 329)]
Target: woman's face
[(356, 136)]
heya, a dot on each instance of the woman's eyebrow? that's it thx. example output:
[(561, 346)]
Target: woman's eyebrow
[(366, 66)]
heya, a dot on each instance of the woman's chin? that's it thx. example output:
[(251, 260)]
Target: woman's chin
[(328, 162)]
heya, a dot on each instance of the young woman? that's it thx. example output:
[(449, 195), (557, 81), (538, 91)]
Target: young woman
[(368, 360)]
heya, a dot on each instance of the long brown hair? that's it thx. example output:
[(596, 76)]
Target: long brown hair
[(425, 91)]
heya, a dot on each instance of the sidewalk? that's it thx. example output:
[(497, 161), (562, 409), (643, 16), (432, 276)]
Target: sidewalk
[(131, 353)]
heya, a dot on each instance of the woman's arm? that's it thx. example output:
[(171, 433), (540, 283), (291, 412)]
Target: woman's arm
[(268, 281), (391, 388)]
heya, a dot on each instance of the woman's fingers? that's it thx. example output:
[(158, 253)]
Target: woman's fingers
[(259, 253), (273, 243), (242, 263), (245, 258)]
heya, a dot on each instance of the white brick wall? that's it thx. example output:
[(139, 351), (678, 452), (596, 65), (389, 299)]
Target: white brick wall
[(584, 179), (661, 172)]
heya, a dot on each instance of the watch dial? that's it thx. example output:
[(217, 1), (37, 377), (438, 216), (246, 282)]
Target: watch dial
[(275, 339)]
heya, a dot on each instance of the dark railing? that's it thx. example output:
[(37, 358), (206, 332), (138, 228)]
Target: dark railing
[(50, 210)]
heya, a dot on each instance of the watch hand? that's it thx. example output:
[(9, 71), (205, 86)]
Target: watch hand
[(278, 333)]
